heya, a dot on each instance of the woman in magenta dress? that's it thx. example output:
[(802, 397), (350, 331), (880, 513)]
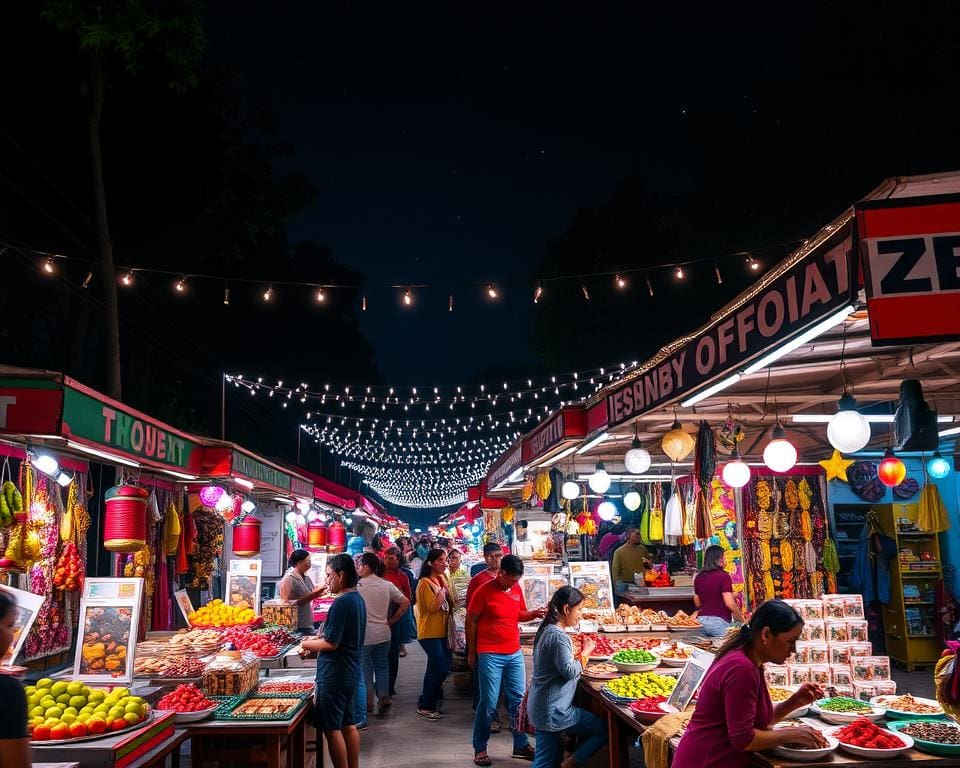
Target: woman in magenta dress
[(734, 713)]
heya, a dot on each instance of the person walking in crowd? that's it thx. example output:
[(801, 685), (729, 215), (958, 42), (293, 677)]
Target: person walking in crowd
[(340, 649), (296, 586), (380, 597), (419, 555), (493, 638), (14, 738), (556, 672), (404, 630), (458, 576), (734, 714), (713, 594), (434, 606), (632, 557), (481, 573), (488, 549)]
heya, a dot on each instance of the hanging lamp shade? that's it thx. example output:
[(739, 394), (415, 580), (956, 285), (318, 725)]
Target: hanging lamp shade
[(569, 490), (125, 519), (599, 481), (938, 467), (317, 536), (848, 430), (637, 459), (631, 500), (736, 472), (891, 471), (246, 537), (677, 444), (606, 510), (780, 454)]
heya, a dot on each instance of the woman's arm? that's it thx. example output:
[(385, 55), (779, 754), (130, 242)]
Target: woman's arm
[(15, 753), (730, 602), (562, 653), (696, 601), (403, 604)]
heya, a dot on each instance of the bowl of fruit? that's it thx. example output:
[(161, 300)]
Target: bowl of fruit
[(840, 710), (635, 660), (72, 711), (651, 709), (638, 685), (189, 704), (864, 738)]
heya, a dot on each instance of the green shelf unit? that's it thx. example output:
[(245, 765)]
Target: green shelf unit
[(910, 626)]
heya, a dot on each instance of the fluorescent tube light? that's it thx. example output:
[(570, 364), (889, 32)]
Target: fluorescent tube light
[(948, 432), (562, 455), (101, 454), (811, 333), (243, 483), (595, 441), (819, 418), (711, 390)]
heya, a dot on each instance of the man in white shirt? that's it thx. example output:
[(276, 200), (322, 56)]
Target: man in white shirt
[(378, 595)]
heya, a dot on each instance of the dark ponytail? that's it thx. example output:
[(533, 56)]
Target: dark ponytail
[(774, 615), (565, 596)]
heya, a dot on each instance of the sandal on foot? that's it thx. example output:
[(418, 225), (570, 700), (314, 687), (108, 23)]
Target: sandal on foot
[(524, 753), (483, 760), (495, 727), (429, 714)]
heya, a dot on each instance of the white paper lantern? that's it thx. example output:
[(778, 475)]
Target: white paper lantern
[(569, 490), (780, 454), (631, 501), (637, 459), (607, 510), (736, 472), (599, 481), (848, 430)]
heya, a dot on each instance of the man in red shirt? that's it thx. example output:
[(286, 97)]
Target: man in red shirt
[(493, 638), (492, 554)]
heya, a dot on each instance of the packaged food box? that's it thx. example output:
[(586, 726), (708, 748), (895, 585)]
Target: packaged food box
[(853, 606), (231, 673), (837, 632), (833, 607), (776, 675), (819, 653), (861, 649), (841, 690), (280, 612), (810, 610), (841, 653), (800, 674), (802, 654), (858, 631), (864, 691), (813, 631), (870, 668), (885, 687), (841, 674), (820, 674)]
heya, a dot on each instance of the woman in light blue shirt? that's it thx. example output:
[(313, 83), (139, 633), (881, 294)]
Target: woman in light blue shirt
[(555, 675)]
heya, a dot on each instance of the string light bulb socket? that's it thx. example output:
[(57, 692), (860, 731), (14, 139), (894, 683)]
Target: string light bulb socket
[(679, 272), (268, 293), (407, 297), (537, 293), (181, 285), (620, 282), (321, 296), (127, 278)]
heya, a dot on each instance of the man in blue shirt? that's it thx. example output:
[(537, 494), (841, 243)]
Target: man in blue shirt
[(339, 664)]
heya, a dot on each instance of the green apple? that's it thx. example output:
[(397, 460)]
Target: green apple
[(44, 682), (58, 688), (77, 700), (54, 713), (63, 698), (37, 712), (68, 718), (96, 696)]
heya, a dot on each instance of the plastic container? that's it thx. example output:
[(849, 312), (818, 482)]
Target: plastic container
[(820, 674), (776, 675), (811, 610), (841, 674), (819, 653), (283, 613), (833, 608), (231, 673), (869, 669), (814, 631), (800, 674), (886, 687), (841, 653), (853, 606), (802, 654), (864, 691)]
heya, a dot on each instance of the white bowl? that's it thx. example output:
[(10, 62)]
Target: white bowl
[(807, 755), (845, 718), (873, 754), (798, 713), (624, 666), (191, 717), (652, 717)]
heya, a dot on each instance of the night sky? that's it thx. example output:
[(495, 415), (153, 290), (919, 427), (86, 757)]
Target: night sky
[(448, 146)]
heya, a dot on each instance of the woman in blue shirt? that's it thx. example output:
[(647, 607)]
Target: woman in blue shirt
[(555, 675), (340, 648)]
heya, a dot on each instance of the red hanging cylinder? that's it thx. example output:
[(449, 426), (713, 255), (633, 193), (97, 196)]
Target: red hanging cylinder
[(246, 537), (125, 519), (316, 536), (336, 537)]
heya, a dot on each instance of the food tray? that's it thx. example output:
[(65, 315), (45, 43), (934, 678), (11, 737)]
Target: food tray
[(226, 703), (614, 698), (94, 737), (229, 715), (930, 747)]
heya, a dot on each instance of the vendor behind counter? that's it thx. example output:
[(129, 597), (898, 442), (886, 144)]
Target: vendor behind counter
[(630, 558)]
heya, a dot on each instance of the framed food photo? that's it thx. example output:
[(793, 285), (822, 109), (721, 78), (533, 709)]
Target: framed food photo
[(107, 630), (28, 606), (689, 681), (243, 584), (593, 580), (535, 591)]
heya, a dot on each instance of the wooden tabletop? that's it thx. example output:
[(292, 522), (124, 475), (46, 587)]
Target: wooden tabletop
[(220, 727)]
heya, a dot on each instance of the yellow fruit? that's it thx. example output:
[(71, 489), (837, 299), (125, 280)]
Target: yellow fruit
[(58, 688), (74, 688), (53, 713)]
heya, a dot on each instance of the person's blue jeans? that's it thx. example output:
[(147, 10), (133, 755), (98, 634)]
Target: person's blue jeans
[(494, 669), (549, 750), (360, 703), (439, 658), (376, 668), (713, 626)]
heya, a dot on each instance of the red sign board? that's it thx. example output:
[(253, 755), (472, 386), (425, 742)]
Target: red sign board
[(504, 466), (566, 424), (30, 411), (911, 260)]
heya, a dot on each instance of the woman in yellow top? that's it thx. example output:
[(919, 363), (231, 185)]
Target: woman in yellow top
[(434, 604)]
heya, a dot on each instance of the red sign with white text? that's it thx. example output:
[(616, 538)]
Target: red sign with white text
[(30, 411), (911, 260)]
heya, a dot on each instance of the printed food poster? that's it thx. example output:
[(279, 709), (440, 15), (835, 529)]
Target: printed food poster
[(535, 591), (693, 673), (107, 633), (28, 606), (593, 580), (243, 584), (184, 603)]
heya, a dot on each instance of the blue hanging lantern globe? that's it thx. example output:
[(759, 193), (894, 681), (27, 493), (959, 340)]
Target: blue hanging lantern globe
[(938, 467)]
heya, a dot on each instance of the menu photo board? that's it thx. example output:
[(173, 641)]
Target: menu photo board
[(243, 584), (593, 580), (28, 606), (107, 631), (690, 679), (184, 603)]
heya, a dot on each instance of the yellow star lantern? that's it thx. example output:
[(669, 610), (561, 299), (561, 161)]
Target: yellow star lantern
[(837, 466)]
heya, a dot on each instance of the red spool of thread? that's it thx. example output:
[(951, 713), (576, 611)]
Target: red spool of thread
[(125, 519), (336, 537), (316, 536), (246, 538)]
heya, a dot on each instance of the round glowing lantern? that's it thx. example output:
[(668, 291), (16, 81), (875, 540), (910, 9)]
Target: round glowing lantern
[(607, 510), (938, 467), (780, 454), (736, 472), (210, 495), (637, 459), (569, 490), (891, 471), (631, 500), (125, 519), (599, 481), (317, 536), (246, 537), (848, 431), (677, 444)]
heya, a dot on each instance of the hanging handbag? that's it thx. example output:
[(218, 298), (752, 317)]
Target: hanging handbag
[(521, 723)]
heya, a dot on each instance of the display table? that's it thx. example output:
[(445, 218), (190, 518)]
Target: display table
[(246, 742), (677, 599), (90, 754)]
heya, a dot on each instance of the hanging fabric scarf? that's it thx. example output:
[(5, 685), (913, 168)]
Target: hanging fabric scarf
[(704, 467)]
